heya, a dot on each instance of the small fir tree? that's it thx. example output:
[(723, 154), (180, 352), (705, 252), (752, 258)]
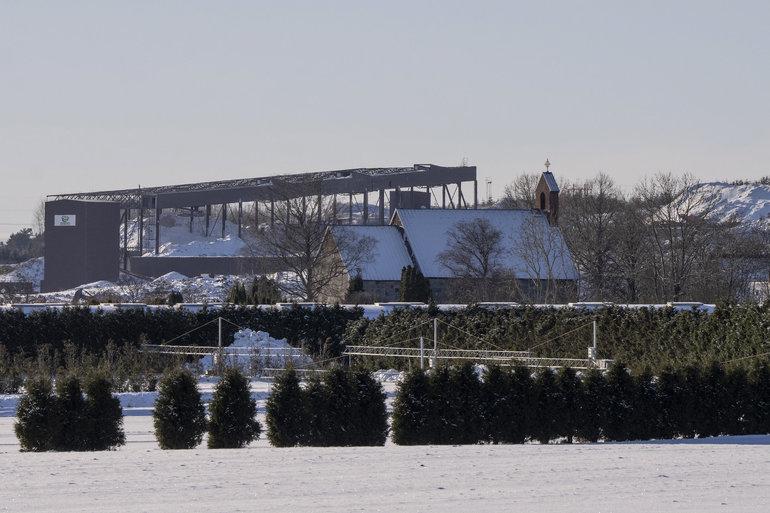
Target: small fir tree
[(668, 390), (339, 394), (73, 417), (645, 424), (713, 395), (286, 422), (592, 409), (264, 291), (370, 418), (37, 416), (738, 400), (105, 415), (232, 411), (179, 416), (620, 403), (690, 401), (498, 410), (569, 390), (465, 401), (237, 294), (411, 410), (174, 298), (414, 286), (442, 417), (316, 414), (547, 415), (758, 410)]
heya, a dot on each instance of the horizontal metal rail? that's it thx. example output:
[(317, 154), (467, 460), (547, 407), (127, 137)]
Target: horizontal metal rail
[(272, 372), (226, 351), (505, 357)]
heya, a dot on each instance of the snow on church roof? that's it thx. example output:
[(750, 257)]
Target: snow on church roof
[(389, 252), (426, 232)]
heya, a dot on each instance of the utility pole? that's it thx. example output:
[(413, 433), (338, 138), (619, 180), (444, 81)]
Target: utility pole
[(592, 349), (434, 360), (422, 352)]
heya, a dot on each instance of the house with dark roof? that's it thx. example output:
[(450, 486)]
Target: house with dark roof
[(532, 251)]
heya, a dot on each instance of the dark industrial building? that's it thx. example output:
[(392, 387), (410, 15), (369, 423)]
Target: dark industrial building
[(83, 241)]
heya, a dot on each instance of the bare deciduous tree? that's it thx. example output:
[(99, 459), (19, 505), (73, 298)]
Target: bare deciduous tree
[(296, 239), (520, 193)]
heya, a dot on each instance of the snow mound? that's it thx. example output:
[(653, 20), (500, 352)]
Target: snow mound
[(30, 271), (170, 277), (252, 350), (388, 375)]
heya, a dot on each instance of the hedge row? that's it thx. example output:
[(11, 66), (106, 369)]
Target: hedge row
[(454, 406), (319, 330), (68, 421), (643, 337), (339, 409)]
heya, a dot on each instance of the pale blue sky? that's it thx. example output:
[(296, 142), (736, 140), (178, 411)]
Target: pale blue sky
[(113, 94)]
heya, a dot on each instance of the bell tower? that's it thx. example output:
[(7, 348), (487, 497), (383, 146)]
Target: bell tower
[(547, 195)]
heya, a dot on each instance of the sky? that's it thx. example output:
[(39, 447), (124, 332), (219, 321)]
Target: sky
[(100, 94)]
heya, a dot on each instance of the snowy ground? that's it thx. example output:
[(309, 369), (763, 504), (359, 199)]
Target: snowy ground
[(597, 478), (721, 474)]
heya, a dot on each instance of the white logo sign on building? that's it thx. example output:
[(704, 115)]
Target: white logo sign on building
[(64, 220)]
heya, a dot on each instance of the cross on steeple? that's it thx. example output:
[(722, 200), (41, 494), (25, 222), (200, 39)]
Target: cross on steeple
[(547, 165)]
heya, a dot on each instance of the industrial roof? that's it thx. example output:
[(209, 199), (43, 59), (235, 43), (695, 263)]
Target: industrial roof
[(389, 252), (426, 232)]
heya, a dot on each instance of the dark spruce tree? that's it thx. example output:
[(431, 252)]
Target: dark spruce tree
[(498, 410), (547, 415), (668, 390), (758, 416), (316, 413), (690, 403), (411, 410), (414, 286), (465, 400), (73, 417), (105, 415), (339, 400), (442, 419), (37, 416), (179, 416), (370, 418), (232, 413), (714, 400), (621, 393), (593, 405), (174, 298), (286, 422), (646, 421), (237, 294), (737, 402), (264, 291), (569, 389)]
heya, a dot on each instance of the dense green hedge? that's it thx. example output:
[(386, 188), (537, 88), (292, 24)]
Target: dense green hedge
[(319, 330), (454, 406), (644, 337)]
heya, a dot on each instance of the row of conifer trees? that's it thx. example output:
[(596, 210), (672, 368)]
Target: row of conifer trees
[(455, 406)]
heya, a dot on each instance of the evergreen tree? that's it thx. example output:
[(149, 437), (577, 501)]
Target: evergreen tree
[(73, 417), (737, 403), (104, 414), (237, 294), (593, 404), (569, 390), (668, 390), (547, 415), (690, 403), (264, 291), (232, 422), (442, 421), (370, 418), (497, 408), (316, 413), (411, 410), (37, 416), (286, 422), (179, 416), (339, 393), (713, 398), (174, 298), (414, 286), (356, 284), (758, 415), (645, 424), (465, 400), (620, 403)]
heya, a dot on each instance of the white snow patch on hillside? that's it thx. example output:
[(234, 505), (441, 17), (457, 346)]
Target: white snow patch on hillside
[(724, 202), (30, 271)]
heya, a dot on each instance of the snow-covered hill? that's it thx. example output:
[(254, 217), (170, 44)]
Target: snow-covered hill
[(746, 204)]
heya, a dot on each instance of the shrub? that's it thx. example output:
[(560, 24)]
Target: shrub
[(370, 418), (174, 298), (412, 410), (465, 406), (285, 411), (179, 416), (591, 417), (547, 416), (74, 424), (37, 417), (619, 417), (104, 416), (569, 393), (758, 415), (232, 422), (338, 408), (645, 423)]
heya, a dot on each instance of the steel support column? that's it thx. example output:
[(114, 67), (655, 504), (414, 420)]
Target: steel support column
[(224, 218), (475, 194), (141, 230), (366, 207), (350, 208), (382, 206), (208, 219), (157, 227), (240, 218), (126, 213)]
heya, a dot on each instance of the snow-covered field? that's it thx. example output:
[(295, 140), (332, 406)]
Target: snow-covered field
[(694, 477)]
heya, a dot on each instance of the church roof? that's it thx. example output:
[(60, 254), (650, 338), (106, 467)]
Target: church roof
[(550, 181), (389, 252)]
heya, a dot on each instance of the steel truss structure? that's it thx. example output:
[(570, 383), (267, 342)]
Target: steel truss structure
[(223, 351), (197, 199)]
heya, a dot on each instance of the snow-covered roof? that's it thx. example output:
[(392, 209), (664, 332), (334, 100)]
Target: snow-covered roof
[(426, 232), (550, 181), (389, 254)]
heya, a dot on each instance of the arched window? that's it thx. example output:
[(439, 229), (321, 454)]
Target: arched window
[(542, 201)]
